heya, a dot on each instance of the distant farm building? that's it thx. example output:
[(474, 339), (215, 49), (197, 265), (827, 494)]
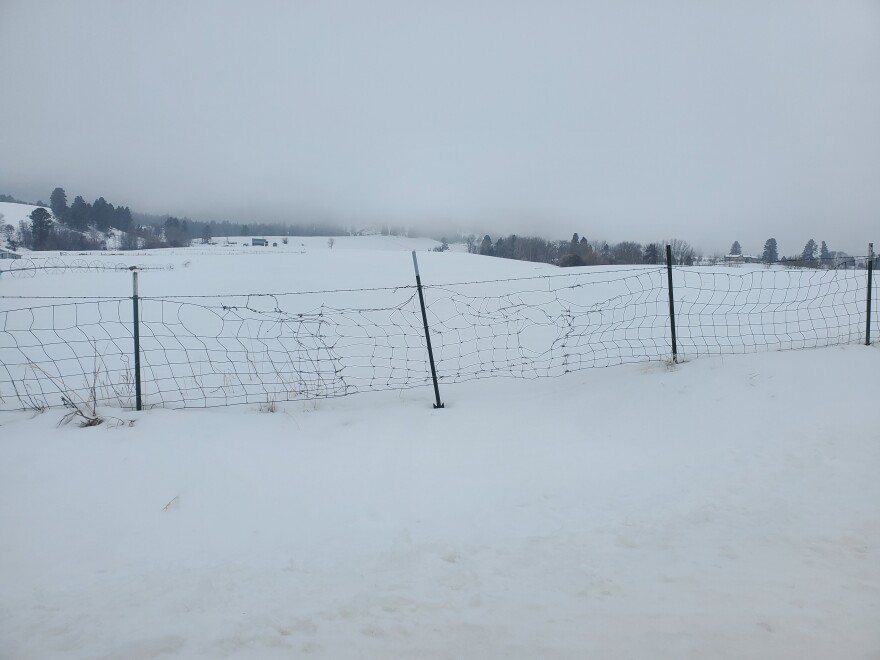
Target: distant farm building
[(6, 254), (734, 259), (738, 259), (259, 241)]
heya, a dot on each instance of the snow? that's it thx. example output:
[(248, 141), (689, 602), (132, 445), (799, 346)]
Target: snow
[(13, 213), (723, 507)]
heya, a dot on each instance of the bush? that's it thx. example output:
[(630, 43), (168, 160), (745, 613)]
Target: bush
[(571, 261)]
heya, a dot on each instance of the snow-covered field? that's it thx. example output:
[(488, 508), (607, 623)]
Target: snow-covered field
[(724, 507)]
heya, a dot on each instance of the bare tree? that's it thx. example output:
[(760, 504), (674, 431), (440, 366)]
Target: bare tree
[(627, 252), (8, 234), (682, 252)]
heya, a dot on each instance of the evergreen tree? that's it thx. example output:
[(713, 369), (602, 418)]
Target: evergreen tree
[(41, 228), (584, 248), (736, 249), (102, 214), (500, 249), (652, 253), (771, 252), (824, 256), (80, 215), (122, 218), (808, 256), (58, 204), (486, 246)]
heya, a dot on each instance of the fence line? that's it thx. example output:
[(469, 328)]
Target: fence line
[(205, 351), (53, 265)]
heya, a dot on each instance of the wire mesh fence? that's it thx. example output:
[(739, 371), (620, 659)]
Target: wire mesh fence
[(255, 349)]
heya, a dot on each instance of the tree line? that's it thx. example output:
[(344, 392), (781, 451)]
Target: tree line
[(81, 216), (80, 226), (170, 231), (582, 252), (86, 226), (814, 255)]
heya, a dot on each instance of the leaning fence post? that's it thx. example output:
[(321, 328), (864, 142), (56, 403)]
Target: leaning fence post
[(137, 338), (671, 303), (870, 282), (427, 333)]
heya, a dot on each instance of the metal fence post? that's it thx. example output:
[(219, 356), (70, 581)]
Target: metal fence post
[(427, 333), (137, 338), (671, 302), (870, 283)]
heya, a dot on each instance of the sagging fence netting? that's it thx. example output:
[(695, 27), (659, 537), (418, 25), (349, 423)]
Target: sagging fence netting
[(254, 349)]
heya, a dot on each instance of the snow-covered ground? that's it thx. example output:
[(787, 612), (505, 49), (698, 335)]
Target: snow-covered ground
[(14, 213), (723, 508)]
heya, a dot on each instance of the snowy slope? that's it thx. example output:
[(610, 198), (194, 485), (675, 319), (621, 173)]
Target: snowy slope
[(723, 508), (13, 214)]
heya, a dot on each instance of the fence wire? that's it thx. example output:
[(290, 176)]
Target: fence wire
[(261, 348), (26, 268)]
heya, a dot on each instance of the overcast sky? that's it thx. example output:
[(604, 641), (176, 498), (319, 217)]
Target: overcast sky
[(621, 120)]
